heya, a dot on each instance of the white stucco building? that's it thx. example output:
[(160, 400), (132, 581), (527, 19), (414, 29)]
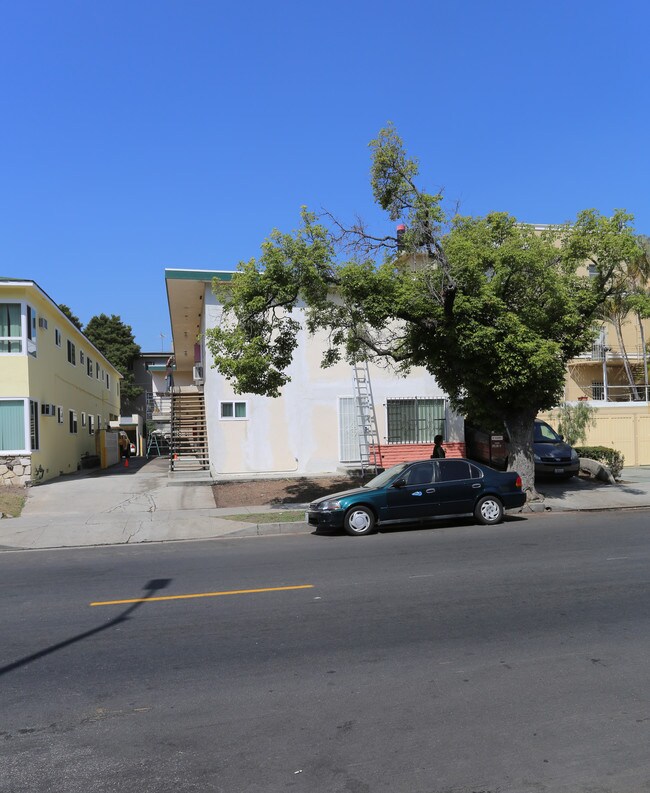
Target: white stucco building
[(313, 427)]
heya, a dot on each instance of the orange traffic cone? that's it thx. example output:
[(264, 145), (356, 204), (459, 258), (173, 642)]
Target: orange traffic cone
[(126, 462)]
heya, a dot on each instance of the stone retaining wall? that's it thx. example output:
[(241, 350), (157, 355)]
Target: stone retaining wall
[(15, 471)]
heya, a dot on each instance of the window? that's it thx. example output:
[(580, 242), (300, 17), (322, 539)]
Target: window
[(31, 330), (57, 337), (89, 367), (97, 371), (59, 414), (10, 329), (81, 357), (72, 353), (83, 419), (33, 424), (415, 420), (72, 417), (234, 410), (108, 381), (420, 474), (451, 470), (597, 389), (99, 423), (12, 425), (91, 424)]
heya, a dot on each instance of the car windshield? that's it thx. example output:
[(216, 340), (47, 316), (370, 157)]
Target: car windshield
[(545, 434), (384, 477)]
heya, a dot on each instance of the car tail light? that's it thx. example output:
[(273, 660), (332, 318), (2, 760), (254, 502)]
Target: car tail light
[(518, 482)]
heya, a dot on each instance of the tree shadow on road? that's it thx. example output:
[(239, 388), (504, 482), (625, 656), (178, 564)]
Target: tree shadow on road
[(151, 587)]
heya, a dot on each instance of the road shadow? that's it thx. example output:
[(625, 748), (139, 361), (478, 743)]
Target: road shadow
[(150, 588)]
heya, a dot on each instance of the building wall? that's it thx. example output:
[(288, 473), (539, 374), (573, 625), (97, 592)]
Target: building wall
[(47, 377), (298, 433), (625, 428)]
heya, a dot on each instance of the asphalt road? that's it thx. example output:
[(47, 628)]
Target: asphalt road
[(465, 659)]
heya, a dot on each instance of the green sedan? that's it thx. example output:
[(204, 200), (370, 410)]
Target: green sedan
[(420, 490)]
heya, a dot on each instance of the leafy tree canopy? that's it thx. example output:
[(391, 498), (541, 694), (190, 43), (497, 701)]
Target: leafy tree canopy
[(72, 317), (491, 307), (115, 340)]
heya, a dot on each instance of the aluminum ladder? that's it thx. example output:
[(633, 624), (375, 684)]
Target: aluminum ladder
[(367, 431)]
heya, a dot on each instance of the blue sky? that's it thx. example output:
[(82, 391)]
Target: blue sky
[(142, 135)]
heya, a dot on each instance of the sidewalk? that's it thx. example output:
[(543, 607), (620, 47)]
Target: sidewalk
[(142, 503)]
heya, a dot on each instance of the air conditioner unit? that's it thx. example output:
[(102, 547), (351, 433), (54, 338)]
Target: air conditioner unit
[(197, 373), (42, 323)]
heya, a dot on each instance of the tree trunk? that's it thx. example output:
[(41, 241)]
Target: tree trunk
[(520, 458), (644, 352), (626, 361)]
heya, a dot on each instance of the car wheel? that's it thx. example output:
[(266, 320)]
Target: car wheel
[(359, 521), (488, 510)]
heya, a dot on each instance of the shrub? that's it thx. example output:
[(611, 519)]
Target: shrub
[(613, 459), (574, 421)]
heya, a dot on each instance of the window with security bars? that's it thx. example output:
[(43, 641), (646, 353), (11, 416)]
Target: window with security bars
[(415, 420), (597, 389)]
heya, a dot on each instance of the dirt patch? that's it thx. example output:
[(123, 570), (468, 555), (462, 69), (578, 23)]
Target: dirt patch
[(12, 501), (258, 492)]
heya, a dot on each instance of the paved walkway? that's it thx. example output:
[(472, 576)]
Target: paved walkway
[(142, 504)]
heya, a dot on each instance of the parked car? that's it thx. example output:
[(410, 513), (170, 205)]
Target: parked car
[(419, 490), (553, 456)]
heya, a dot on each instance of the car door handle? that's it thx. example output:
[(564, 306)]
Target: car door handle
[(477, 486), (431, 490)]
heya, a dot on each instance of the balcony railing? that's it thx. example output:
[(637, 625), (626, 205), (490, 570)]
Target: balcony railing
[(159, 407), (615, 393)]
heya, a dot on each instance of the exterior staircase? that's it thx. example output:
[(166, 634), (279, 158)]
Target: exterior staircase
[(189, 436)]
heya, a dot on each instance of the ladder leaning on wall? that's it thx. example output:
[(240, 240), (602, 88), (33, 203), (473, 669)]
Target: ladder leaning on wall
[(369, 453)]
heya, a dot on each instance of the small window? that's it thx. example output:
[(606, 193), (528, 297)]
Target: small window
[(72, 353), (59, 414), (83, 419), (91, 424), (82, 357), (99, 423), (475, 472), (234, 410), (57, 337), (72, 417), (31, 324), (97, 371), (89, 367), (108, 381), (33, 424)]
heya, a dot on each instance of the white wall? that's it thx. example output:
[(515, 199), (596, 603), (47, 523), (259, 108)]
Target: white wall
[(298, 433)]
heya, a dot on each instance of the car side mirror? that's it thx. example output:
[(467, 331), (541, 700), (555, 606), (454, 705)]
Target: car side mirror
[(399, 483), (561, 437)]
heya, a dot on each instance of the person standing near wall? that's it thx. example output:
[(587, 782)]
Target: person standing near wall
[(438, 451)]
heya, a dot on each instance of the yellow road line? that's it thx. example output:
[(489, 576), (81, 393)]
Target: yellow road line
[(202, 595)]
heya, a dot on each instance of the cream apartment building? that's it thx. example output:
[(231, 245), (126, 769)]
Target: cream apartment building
[(57, 391)]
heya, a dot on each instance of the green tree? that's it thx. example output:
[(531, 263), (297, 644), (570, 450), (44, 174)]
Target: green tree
[(72, 317), (492, 309), (115, 340)]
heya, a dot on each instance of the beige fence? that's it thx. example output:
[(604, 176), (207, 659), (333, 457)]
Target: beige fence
[(626, 431)]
